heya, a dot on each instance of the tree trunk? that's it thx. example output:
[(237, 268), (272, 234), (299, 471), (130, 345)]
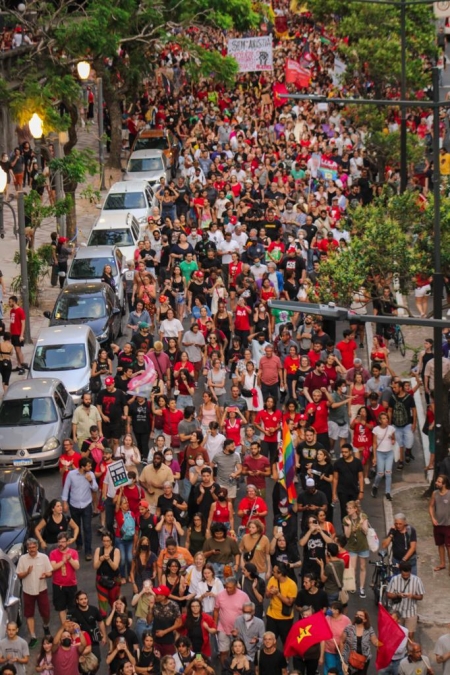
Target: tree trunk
[(70, 188), (71, 216), (112, 101)]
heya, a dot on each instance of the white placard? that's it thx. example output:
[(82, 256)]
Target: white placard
[(252, 54)]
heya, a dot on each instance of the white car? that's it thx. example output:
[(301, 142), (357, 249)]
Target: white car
[(66, 353), (131, 196), (88, 264), (150, 165), (115, 229)]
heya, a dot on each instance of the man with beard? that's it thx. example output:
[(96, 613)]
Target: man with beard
[(90, 621)]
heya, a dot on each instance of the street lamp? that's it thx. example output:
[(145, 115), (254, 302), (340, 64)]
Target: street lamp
[(36, 128), (3, 180), (84, 70)]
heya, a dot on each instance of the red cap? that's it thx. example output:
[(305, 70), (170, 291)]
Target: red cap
[(199, 274), (143, 503), (163, 299), (162, 590), (233, 220), (62, 240), (292, 249), (109, 381), (303, 417)]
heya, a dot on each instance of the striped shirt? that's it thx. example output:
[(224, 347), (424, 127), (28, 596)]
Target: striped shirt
[(407, 607)]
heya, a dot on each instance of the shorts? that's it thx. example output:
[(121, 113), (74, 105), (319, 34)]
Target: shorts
[(232, 491), (198, 365), (410, 622), (360, 554), (335, 431), (29, 604), (404, 436), (17, 341), (63, 597), (423, 291), (18, 179), (112, 430), (223, 640), (442, 535)]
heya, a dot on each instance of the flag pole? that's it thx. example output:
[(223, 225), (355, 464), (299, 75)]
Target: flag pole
[(340, 654)]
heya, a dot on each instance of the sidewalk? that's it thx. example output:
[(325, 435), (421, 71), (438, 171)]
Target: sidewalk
[(86, 215)]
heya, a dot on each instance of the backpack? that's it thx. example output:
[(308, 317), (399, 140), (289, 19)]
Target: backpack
[(129, 526), (400, 416)]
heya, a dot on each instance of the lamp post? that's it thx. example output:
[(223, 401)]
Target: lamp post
[(84, 71), (24, 265), (3, 181), (36, 128)]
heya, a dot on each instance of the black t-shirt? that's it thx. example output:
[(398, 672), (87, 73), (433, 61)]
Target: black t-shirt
[(124, 360), (140, 417), (147, 659), (147, 529), (140, 341), (167, 504), (401, 418), (348, 476), (314, 548), (207, 500), (317, 601), (112, 404), (196, 290), (271, 664), (306, 498), (307, 453), (401, 541), (52, 529), (272, 228), (88, 621), (296, 264), (129, 635)]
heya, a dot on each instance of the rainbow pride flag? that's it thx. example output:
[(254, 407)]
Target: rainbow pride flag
[(286, 464)]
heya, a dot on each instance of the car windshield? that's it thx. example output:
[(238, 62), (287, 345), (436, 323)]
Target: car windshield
[(91, 268), (153, 143), (145, 164), (11, 513), (125, 200), (27, 411), (69, 308), (122, 237), (59, 357)]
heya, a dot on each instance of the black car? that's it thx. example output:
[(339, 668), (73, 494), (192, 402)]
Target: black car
[(22, 505), (93, 303)]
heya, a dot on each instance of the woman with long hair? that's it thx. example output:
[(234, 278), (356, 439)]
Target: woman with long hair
[(198, 626), (337, 622), (178, 291), (44, 663), (358, 394), (223, 320), (254, 586), (196, 534), (208, 412), (249, 384), (130, 454), (106, 565), (256, 546), (356, 640), (194, 574), (238, 662), (208, 588), (169, 528), (175, 582), (186, 387), (147, 661), (108, 278), (124, 536), (221, 511), (362, 440), (355, 525), (53, 523)]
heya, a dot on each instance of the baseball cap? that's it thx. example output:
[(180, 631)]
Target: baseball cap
[(233, 220), (162, 590), (292, 249), (303, 417), (143, 503), (163, 298), (199, 274), (310, 482), (143, 324), (109, 381)]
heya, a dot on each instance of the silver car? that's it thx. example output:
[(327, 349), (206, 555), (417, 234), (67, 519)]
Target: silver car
[(10, 602), (88, 264), (150, 165), (67, 353), (35, 416)]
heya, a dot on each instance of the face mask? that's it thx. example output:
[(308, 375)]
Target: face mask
[(283, 510), (257, 264), (199, 462), (344, 390), (247, 616), (66, 642), (169, 458), (358, 620), (145, 547)]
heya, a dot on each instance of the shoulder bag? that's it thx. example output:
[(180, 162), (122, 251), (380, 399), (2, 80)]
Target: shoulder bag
[(248, 555), (285, 609), (247, 393), (372, 539), (343, 595)]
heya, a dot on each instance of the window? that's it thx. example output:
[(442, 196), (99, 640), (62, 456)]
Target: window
[(27, 412), (4, 579), (87, 307), (11, 513), (153, 143), (91, 268), (119, 237), (59, 357), (145, 164), (124, 200), (62, 392)]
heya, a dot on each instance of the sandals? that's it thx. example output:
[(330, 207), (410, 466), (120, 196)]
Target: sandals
[(438, 569)]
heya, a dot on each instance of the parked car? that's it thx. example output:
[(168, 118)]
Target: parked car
[(160, 139), (149, 165), (131, 196), (67, 353), (88, 264), (35, 415), (22, 505), (10, 594), (116, 229), (94, 304)]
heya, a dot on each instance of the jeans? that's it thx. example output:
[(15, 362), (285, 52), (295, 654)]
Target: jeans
[(110, 512), (126, 556), (385, 460), (332, 661), (185, 488), (270, 390), (183, 401), (391, 669), (83, 518), (140, 628)]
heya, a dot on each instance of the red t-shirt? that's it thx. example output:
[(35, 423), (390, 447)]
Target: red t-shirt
[(16, 315), (233, 430), (69, 462), (320, 412), (242, 320), (64, 576), (254, 506), (347, 350), (313, 357), (171, 421), (268, 420), (256, 464), (362, 436), (234, 269), (291, 365)]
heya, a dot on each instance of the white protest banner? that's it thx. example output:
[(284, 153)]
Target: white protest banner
[(118, 473), (252, 54)]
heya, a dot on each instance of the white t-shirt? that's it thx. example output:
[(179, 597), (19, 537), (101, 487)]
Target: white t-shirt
[(214, 444), (171, 328), (442, 647), (383, 436), (226, 249)]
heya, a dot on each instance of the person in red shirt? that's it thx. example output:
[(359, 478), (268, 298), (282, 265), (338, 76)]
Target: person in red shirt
[(251, 507), (17, 330), (363, 440), (242, 321), (65, 563), (268, 422), (69, 459), (291, 372), (171, 419), (318, 413), (314, 353), (257, 468), (328, 244), (348, 348)]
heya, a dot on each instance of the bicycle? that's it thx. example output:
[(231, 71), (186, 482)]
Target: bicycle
[(396, 335), (382, 575)]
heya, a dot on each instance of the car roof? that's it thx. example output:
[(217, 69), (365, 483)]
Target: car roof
[(86, 288), (54, 335), (153, 133), (11, 477), (146, 154), (32, 388), (95, 252), (138, 185), (111, 220)]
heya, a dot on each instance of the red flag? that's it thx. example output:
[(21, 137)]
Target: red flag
[(306, 633), (297, 74), (390, 637), (279, 88)]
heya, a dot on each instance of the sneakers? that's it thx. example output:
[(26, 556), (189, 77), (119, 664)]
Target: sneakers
[(361, 345), (374, 491), (362, 593), (400, 466), (47, 631), (388, 497), (88, 557), (367, 480), (33, 643), (408, 456)]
